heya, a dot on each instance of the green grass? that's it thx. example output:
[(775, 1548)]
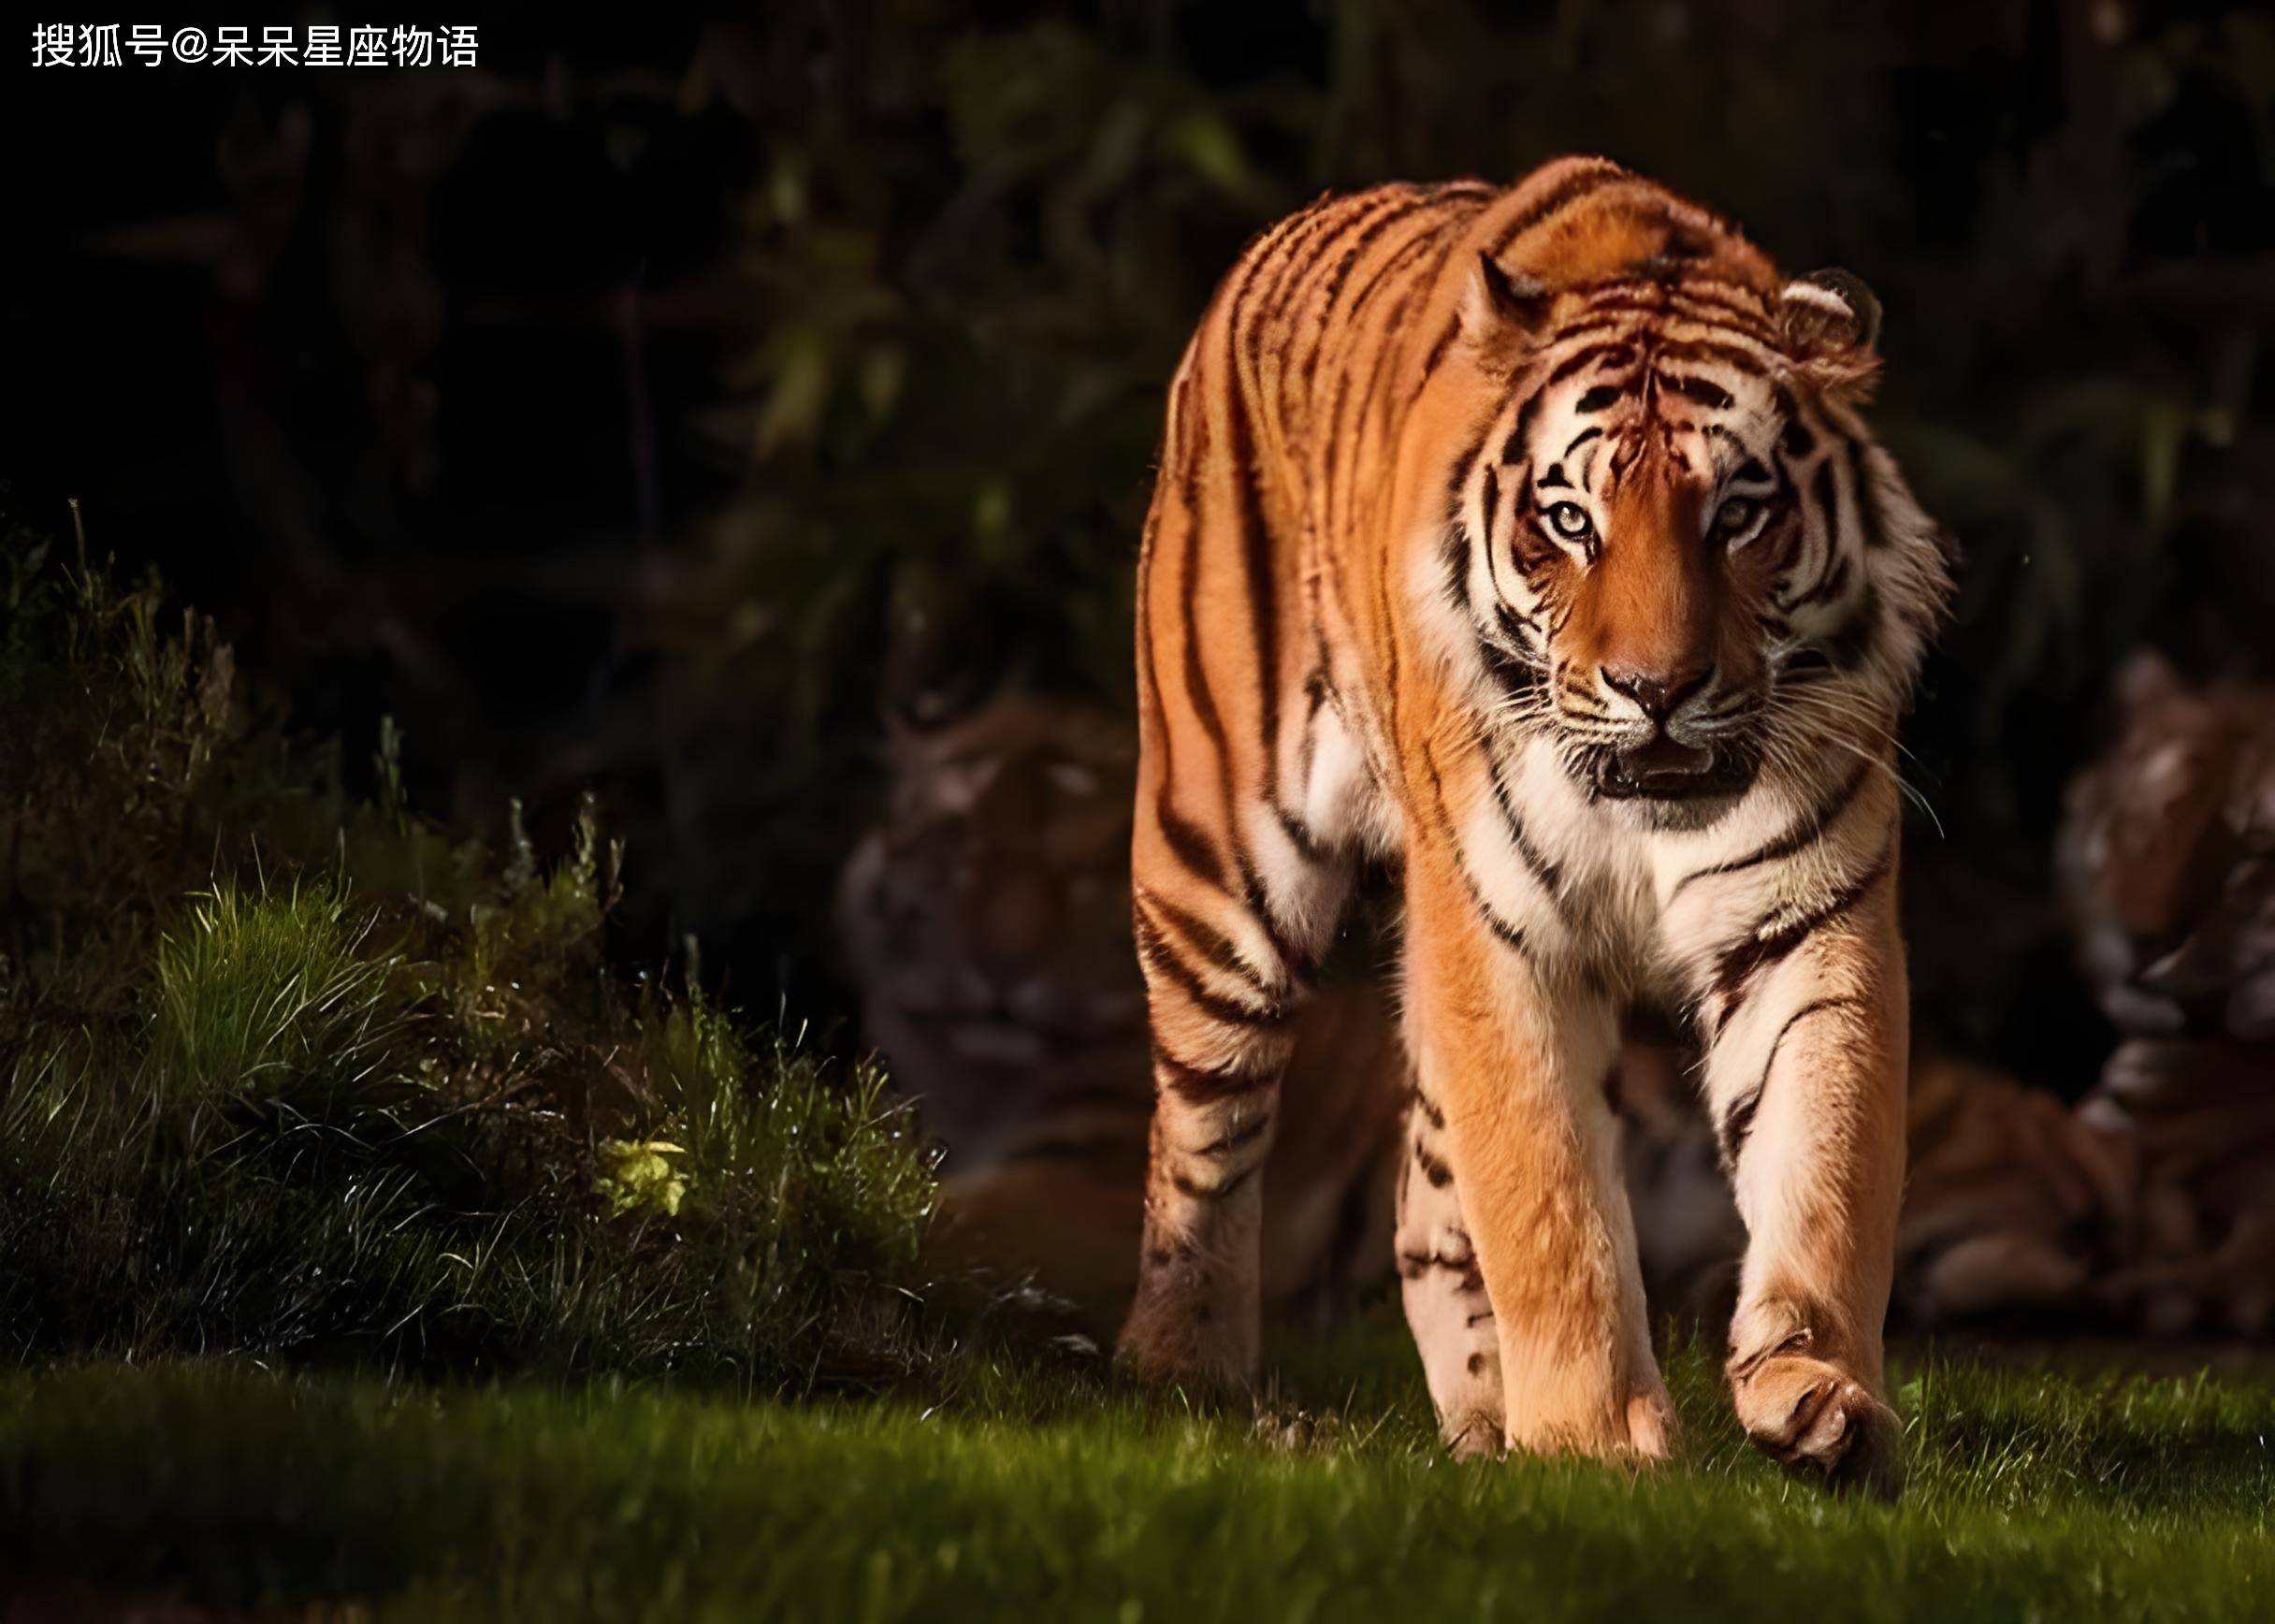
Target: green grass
[(1054, 1495), (546, 1292)]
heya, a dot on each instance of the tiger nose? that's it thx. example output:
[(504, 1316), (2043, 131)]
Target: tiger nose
[(1657, 693)]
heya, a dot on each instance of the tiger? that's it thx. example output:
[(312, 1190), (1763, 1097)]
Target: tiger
[(1529, 539)]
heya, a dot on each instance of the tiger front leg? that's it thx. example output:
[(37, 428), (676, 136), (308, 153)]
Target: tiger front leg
[(1806, 1077), (1513, 1055)]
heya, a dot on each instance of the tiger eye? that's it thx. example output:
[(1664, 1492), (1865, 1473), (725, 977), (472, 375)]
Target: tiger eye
[(1569, 521)]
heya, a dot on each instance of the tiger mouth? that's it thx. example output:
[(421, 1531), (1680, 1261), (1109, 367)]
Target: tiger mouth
[(1665, 769)]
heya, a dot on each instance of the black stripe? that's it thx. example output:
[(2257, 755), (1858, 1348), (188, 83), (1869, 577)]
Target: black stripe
[(1453, 553), (1255, 542), (1257, 578), (1515, 448), (1237, 1138), (1332, 449), (1423, 238), (1180, 406), (1186, 843), (1616, 308), (1308, 846), (1160, 954), (1825, 497), (1209, 942), (1414, 1264), (1406, 209), (1794, 441), (1720, 435), (1828, 586), (1330, 219), (1196, 674), (1510, 935), (1807, 832), (1457, 480), (1205, 1085), (1751, 362), (1755, 952), (1515, 674), (1547, 874), (1617, 354), (1867, 499), (1299, 965), (1703, 391), (1185, 840), (1437, 354), (1571, 192), (1738, 1121), (1392, 685), (1518, 628)]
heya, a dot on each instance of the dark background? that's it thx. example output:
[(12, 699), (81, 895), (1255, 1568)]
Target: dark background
[(652, 406)]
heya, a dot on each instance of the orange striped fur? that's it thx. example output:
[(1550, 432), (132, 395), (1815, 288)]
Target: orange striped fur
[(1529, 539)]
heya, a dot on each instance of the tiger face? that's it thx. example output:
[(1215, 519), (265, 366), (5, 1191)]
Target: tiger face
[(1672, 518)]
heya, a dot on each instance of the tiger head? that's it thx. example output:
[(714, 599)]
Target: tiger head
[(1683, 553)]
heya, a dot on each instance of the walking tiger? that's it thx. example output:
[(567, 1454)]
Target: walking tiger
[(1529, 539)]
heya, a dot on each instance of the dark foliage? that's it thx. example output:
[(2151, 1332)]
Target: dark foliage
[(283, 1071), (647, 406)]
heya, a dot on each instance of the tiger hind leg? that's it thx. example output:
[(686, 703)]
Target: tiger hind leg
[(1228, 982), (1225, 986), (1444, 1292)]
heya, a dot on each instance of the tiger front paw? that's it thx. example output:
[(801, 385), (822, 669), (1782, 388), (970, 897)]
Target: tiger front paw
[(1818, 1421), (1630, 1422)]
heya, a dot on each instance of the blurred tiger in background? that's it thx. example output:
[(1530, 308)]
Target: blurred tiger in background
[(986, 918), (1529, 539)]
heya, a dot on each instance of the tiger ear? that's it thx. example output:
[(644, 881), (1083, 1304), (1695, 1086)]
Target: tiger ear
[(1498, 305), (1827, 312), (1831, 323)]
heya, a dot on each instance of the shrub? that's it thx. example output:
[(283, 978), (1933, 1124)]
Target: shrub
[(286, 1073)]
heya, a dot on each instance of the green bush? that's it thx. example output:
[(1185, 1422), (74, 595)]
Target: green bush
[(286, 1073)]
